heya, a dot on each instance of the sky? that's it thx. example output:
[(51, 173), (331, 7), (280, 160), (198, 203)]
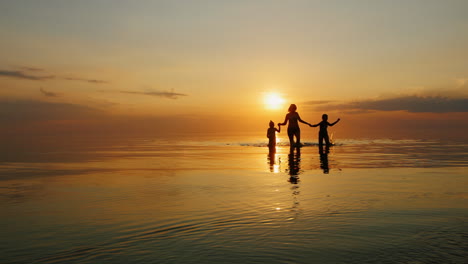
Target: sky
[(207, 66)]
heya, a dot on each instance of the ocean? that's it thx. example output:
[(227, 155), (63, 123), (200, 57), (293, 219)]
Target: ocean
[(228, 199)]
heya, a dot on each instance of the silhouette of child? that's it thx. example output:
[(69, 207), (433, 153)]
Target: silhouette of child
[(271, 134), (293, 128), (323, 133)]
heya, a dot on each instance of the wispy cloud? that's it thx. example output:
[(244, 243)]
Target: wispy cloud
[(411, 103), (47, 93), (452, 97), (26, 68), (165, 94), (318, 102), (30, 73), (85, 80), (24, 75)]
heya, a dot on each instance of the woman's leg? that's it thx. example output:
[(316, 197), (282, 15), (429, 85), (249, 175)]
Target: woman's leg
[(291, 137), (298, 137)]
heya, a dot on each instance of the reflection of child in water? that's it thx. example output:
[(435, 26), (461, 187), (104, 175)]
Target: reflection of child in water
[(271, 134), (323, 133)]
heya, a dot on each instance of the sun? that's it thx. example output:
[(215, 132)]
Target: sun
[(273, 101)]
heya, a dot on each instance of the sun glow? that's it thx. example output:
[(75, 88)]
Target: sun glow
[(273, 101)]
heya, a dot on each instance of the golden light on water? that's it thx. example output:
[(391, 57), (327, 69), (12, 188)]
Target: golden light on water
[(276, 168), (273, 101)]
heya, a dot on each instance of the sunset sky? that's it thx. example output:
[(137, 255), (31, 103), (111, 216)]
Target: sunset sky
[(183, 65)]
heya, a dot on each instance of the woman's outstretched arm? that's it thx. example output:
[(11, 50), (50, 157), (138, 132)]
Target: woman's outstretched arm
[(316, 125), (302, 121), (286, 118)]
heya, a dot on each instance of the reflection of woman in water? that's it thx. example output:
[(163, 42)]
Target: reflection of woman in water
[(294, 164), (293, 129)]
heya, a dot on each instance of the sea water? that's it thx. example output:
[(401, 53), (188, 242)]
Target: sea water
[(231, 200)]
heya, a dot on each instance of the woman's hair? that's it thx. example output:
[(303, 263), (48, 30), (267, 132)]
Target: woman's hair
[(324, 116), (292, 108), (271, 123)]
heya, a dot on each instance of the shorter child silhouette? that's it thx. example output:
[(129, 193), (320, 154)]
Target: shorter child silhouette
[(323, 133), (271, 134)]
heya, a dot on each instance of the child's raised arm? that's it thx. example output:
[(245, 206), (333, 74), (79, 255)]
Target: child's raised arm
[(278, 129), (334, 122)]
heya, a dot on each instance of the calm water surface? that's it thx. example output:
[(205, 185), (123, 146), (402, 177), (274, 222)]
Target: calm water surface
[(228, 200)]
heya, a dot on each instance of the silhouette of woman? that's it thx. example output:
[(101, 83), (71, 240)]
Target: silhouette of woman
[(293, 128)]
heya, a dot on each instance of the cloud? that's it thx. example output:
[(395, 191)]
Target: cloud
[(165, 94), (24, 75), (317, 102), (410, 103), (85, 80), (26, 68), (47, 93)]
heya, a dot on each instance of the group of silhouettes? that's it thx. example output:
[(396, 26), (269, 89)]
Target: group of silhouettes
[(294, 132)]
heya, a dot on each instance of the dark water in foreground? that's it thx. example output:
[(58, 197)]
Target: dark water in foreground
[(229, 201)]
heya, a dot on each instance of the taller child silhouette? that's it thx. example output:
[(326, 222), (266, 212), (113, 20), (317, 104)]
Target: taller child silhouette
[(323, 133)]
